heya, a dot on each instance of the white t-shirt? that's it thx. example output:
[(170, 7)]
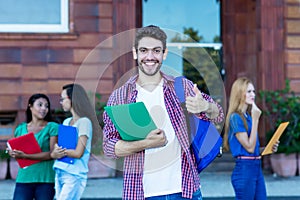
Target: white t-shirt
[(162, 166), (80, 165)]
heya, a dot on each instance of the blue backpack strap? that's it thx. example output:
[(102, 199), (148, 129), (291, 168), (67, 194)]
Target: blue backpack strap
[(179, 89), (178, 84), (205, 146)]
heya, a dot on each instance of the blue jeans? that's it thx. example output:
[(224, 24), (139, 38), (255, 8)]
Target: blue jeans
[(38, 191), (68, 186), (196, 196), (248, 181)]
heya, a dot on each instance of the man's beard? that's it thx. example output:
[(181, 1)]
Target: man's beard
[(141, 68)]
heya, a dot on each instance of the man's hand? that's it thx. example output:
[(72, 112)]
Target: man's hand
[(196, 104), (156, 138)]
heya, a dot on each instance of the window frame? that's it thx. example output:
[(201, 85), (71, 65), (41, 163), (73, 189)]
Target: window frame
[(63, 27)]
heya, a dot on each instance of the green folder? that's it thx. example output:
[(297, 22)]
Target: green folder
[(132, 121)]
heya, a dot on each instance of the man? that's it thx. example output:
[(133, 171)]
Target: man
[(161, 164)]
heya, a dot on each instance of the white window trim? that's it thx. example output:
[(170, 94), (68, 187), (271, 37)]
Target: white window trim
[(41, 28)]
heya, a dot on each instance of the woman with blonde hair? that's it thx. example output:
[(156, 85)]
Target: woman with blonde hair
[(241, 137)]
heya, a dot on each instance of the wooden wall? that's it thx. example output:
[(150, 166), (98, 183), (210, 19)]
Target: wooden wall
[(261, 40), (292, 42), (272, 73), (239, 39), (31, 63)]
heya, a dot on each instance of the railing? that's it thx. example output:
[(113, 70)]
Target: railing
[(216, 46)]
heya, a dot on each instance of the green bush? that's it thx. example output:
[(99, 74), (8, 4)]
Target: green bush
[(281, 106), (3, 154)]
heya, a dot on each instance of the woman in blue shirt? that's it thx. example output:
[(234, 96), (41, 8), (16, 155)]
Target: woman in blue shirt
[(242, 137)]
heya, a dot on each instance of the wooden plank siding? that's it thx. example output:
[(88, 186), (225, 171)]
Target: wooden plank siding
[(271, 71), (239, 37), (32, 63), (254, 42), (292, 43), (134, 20)]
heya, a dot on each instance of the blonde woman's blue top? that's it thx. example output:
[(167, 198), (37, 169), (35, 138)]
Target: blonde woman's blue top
[(236, 125)]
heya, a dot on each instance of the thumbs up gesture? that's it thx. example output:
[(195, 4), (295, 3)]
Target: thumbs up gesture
[(196, 104)]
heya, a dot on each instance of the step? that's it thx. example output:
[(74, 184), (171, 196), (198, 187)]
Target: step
[(224, 163)]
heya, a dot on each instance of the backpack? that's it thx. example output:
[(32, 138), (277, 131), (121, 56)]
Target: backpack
[(206, 141)]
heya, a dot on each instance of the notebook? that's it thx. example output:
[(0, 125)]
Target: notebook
[(26, 143), (275, 137), (132, 121), (67, 138)]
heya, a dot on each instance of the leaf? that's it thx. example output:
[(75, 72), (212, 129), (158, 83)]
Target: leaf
[(283, 105)]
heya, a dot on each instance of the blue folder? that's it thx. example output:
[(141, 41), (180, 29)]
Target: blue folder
[(67, 138)]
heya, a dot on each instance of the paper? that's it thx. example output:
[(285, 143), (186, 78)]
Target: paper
[(67, 138), (275, 138), (132, 121), (26, 143)]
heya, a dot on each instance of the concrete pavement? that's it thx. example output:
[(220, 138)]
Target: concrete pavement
[(215, 185)]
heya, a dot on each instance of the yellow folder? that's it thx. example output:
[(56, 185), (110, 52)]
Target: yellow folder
[(132, 121), (275, 137)]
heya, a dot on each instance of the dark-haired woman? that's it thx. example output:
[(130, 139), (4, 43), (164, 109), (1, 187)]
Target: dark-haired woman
[(37, 181), (70, 179)]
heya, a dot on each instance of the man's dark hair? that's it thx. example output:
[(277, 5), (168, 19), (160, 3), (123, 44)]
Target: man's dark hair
[(150, 31)]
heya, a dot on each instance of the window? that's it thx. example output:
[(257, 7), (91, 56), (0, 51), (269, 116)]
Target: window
[(181, 20), (7, 126), (194, 46), (33, 16)]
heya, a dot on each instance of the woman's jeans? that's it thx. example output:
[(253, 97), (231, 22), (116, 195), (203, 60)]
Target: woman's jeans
[(177, 196), (38, 191), (248, 181), (68, 186)]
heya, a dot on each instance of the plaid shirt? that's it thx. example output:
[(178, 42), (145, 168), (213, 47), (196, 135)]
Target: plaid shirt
[(134, 164)]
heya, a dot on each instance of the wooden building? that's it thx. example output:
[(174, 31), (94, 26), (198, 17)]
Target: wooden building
[(44, 62), (261, 40)]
